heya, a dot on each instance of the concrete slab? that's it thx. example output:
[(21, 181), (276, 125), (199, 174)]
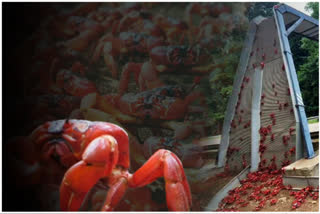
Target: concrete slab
[(303, 167), (299, 182), (314, 127)]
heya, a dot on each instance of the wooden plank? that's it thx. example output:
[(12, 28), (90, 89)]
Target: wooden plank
[(211, 140)]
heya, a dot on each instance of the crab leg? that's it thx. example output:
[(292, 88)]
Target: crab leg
[(115, 194), (129, 68), (165, 164), (81, 42), (98, 160), (194, 96), (110, 62)]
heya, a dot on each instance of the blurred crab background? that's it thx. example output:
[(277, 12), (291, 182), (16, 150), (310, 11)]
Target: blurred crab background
[(163, 71)]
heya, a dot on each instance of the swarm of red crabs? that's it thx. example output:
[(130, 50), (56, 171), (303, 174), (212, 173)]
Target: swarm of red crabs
[(261, 189), (119, 63)]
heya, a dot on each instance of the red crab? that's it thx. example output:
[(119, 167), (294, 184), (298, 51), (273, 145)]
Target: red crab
[(105, 16), (291, 130), (296, 204), (63, 25), (111, 47), (244, 161), (80, 31), (99, 150), (275, 191), (247, 124), (273, 201), (164, 103), (139, 21), (59, 80), (272, 115), (204, 9), (261, 205), (166, 59), (285, 139), (173, 28), (74, 84), (211, 12), (315, 196), (272, 137)]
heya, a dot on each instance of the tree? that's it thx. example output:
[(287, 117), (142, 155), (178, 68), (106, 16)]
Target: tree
[(308, 72), (261, 9), (314, 8)]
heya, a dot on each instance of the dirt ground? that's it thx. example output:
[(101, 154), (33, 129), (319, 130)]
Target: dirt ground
[(265, 192), (284, 204)]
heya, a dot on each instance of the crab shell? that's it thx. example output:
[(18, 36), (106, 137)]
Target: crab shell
[(179, 56), (165, 103)]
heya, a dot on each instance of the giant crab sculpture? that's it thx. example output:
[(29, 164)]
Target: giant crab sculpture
[(96, 151)]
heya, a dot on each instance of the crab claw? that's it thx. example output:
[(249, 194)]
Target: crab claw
[(82, 41), (166, 164), (98, 160)]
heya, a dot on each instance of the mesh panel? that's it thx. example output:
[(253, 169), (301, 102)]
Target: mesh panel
[(276, 110)]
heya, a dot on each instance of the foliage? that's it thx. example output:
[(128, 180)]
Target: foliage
[(313, 121), (220, 83), (261, 9), (314, 8), (221, 79), (308, 71), (308, 75)]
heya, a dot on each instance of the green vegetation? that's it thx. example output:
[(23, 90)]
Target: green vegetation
[(306, 59), (261, 9), (308, 72), (313, 121)]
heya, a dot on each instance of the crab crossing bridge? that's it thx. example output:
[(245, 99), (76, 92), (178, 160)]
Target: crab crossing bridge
[(266, 103)]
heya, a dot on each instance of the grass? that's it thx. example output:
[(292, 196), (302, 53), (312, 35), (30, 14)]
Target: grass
[(313, 121)]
